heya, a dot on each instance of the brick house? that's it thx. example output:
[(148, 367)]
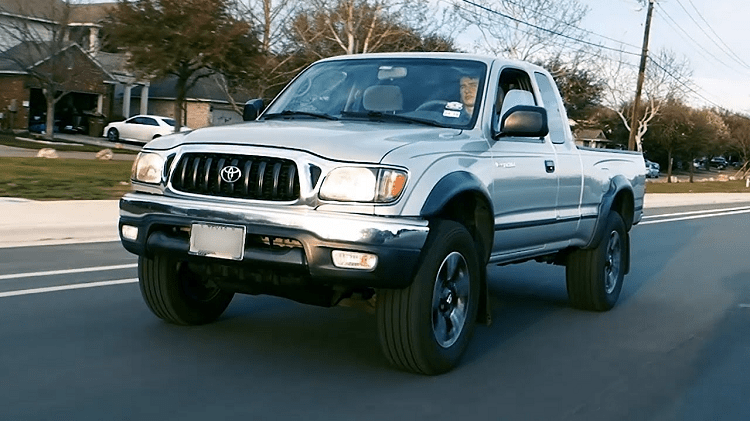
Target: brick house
[(206, 104), (22, 101), (103, 84), (27, 29)]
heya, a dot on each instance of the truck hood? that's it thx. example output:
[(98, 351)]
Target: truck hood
[(351, 141)]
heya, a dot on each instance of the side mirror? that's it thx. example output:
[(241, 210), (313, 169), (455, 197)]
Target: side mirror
[(252, 109), (523, 121)]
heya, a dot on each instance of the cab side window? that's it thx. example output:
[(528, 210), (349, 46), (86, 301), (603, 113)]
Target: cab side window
[(511, 79), (557, 126)]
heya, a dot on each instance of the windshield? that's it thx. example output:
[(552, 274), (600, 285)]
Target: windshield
[(439, 92)]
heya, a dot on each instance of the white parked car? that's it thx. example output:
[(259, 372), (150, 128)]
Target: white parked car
[(140, 128)]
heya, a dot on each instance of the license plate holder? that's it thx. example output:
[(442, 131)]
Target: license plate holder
[(218, 241)]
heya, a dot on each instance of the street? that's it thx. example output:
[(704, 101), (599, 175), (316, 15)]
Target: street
[(676, 347)]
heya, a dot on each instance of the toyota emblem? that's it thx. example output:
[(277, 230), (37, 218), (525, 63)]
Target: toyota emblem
[(230, 174)]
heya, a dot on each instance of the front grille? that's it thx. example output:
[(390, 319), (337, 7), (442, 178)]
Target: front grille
[(261, 178)]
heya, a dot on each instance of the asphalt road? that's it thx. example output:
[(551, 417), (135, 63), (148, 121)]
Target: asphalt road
[(677, 346)]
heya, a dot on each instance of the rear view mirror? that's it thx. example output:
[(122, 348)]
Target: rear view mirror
[(524, 121), (252, 109), (390, 72)]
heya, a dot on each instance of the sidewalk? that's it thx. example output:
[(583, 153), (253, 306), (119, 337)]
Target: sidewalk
[(666, 200), (36, 223), (39, 223)]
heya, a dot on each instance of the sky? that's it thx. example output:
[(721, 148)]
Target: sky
[(713, 35)]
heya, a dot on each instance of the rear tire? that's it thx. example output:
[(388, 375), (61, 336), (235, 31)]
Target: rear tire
[(176, 294), (426, 327), (594, 276), (113, 135)]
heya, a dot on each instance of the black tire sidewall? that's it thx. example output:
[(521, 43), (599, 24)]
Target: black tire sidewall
[(448, 237), (113, 135), (614, 223), (161, 288)]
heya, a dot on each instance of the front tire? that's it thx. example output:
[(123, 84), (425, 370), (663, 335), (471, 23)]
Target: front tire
[(177, 295), (594, 276), (426, 327), (113, 135)]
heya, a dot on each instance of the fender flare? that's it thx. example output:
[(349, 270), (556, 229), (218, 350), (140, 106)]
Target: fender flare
[(449, 187), (617, 185)]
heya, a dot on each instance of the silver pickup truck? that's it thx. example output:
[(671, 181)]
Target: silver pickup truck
[(394, 179)]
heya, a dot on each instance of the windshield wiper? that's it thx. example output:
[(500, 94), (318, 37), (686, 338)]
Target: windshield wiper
[(380, 116), (291, 113)]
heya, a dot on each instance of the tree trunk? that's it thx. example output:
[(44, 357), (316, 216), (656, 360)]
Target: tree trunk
[(178, 104), (669, 166), (49, 131), (692, 168)]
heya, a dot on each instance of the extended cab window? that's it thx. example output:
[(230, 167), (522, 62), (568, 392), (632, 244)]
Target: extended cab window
[(557, 127)]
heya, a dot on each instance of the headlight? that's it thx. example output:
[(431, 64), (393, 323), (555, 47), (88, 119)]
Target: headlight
[(148, 168), (358, 184)]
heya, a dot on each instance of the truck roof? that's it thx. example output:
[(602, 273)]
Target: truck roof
[(440, 55)]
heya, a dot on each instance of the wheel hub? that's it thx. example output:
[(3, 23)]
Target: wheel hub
[(450, 299), (612, 263)]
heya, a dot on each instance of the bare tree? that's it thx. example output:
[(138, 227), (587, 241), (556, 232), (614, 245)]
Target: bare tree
[(535, 30), (667, 78), (274, 66), (36, 40), (271, 18), (332, 27)]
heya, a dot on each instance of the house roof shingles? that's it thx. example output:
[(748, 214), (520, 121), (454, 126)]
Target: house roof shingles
[(54, 10), (91, 13), (591, 134), (40, 9)]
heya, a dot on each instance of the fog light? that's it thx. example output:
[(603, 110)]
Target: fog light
[(129, 232), (354, 260)]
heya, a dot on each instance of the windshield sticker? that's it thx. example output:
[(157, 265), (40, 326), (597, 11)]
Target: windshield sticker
[(454, 105), (451, 113)]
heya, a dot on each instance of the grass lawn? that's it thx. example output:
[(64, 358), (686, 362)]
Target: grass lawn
[(736, 186), (63, 179), (68, 179)]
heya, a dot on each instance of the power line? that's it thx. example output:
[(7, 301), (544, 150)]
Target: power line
[(708, 36), (573, 26), (687, 35), (604, 47), (737, 57), (506, 16), (685, 85)]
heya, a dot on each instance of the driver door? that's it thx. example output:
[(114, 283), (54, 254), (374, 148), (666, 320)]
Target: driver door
[(525, 186)]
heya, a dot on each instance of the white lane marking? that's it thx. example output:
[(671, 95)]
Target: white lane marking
[(67, 271), (666, 215), (744, 305), (685, 218), (67, 287)]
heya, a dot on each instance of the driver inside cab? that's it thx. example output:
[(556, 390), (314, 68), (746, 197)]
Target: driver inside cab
[(468, 88)]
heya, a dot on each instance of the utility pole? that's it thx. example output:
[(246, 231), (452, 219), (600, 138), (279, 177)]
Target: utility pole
[(634, 126)]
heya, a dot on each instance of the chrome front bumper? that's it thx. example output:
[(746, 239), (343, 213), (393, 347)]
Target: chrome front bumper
[(396, 241)]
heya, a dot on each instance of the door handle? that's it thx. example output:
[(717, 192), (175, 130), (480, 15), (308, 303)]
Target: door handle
[(549, 166)]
